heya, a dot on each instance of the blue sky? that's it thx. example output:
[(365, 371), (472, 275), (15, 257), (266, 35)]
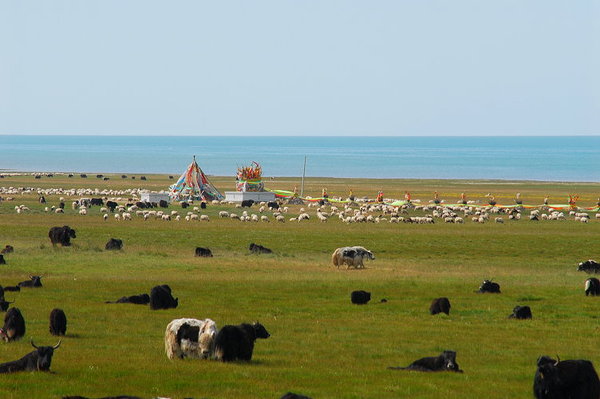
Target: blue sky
[(301, 67)]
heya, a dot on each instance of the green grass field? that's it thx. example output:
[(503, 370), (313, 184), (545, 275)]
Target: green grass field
[(321, 345)]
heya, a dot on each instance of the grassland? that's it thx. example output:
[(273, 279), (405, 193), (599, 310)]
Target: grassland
[(321, 345)]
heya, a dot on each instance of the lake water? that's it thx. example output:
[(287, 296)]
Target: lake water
[(512, 158)]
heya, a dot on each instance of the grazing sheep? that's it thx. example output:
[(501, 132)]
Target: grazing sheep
[(190, 338), (237, 342)]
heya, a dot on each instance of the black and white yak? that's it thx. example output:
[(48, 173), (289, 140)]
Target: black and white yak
[(14, 325), (446, 361), (566, 379), (589, 266), (38, 360), (190, 338), (237, 342), (592, 287)]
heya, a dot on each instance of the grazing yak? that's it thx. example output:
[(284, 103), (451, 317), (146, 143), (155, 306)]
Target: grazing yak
[(567, 379), (351, 257), (237, 342), (592, 287), (14, 325), (360, 297), (33, 282), (521, 313), (292, 395), (247, 203), (114, 244), (259, 249), (7, 249), (440, 305), (203, 252), (489, 287), (161, 298), (58, 322), (61, 235), (38, 360), (111, 205), (446, 361), (190, 338), (142, 299), (2, 261), (589, 266)]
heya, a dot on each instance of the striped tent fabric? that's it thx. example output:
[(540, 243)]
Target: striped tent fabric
[(194, 185)]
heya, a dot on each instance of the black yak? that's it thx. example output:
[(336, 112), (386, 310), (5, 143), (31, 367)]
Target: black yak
[(247, 203), (440, 305), (237, 342), (142, 299), (291, 395), (2, 261), (163, 204), (33, 282), (111, 205), (567, 379), (360, 297), (4, 305), (203, 252), (446, 361), (259, 249), (114, 244), (61, 235), (161, 298), (490, 287), (14, 325), (38, 360), (589, 266), (521, 312), (7, 249), (58, 322), (592, 286)]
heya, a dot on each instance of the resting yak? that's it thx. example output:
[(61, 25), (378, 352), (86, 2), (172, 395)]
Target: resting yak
[(14, 325), (142, 299), (61, 235), (161, 298), (114, 244), (237, 342), (567, 379), (259, 249), (38, 360), (521, 313), (489, 287), (360, 297), (203, 252), (446, 361)]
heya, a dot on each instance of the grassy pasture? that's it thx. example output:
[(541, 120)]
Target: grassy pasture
[(321, 345)]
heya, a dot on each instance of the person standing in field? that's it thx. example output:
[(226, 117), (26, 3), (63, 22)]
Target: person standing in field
[(436, 198), (463, 198)]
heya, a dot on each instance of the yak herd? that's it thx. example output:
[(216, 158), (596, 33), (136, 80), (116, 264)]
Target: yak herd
[(201, 339)]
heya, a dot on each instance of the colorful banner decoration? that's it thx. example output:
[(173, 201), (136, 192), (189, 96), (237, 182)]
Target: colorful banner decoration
[(249, 178), (193, 185)]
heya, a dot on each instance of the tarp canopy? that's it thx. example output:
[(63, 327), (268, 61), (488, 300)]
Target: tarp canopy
[(193, 185)]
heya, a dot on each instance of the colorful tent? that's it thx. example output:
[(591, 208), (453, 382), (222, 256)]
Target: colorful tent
[(193, 185)]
